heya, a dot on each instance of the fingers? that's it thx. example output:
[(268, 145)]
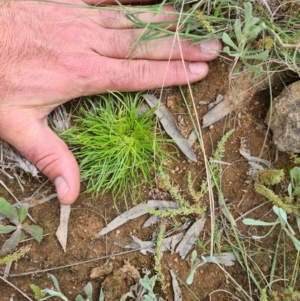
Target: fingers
[(137, 75), (125, 44), (36, 142), (106, 2), (117, 17)]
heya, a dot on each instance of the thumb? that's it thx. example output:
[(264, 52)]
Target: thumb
[(41, 146)]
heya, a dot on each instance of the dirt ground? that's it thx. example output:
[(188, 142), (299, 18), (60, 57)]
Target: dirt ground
[(89, 216)]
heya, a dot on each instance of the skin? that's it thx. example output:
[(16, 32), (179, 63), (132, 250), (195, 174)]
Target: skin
[(52, 53)]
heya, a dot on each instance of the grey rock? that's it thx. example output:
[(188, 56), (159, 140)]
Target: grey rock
[(285, 119)]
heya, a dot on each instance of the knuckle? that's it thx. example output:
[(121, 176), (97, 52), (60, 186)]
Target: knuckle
[(109, 18), (45, 164), (143, 71), (133, 74)]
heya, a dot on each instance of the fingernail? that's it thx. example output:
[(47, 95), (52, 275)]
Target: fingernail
[(197, 68), (61, 187), (210, 47)]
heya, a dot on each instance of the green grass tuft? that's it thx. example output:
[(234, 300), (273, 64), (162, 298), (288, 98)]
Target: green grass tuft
[(117, 147)]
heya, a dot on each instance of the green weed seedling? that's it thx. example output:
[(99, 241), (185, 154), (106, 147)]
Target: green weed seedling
[(226, 259), (143, 291), (281, 220), (88, 289), (14, 256), (39, 294), (248, 32), (195, 264), (289, 203), (185, 208), (17, 218)]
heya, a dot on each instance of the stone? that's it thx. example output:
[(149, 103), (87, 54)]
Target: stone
[(285, 119)]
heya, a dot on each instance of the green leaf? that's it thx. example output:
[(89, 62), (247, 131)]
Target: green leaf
[(290, 190), (254, 222), (227, 40), (238, 29), (282, 215), (193, 256), (298, 221), (35, 231), (248, 13), (55, 282), (295, 176), (101, 297), (296, 242), (149, 297), (38, 294), (53, 293), (79, 298), (257, 56), (22, 235), (268, 233), (89, 291), (145, 283), (11, 243), (22, 213), (296, 191), (124, 297), (257, 69), (7, 229), (8, 211), (210, 259)]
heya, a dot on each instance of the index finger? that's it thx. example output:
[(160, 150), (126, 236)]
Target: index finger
[(117, 17)]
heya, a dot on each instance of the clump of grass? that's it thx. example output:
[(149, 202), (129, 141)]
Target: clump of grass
[(117, 147)]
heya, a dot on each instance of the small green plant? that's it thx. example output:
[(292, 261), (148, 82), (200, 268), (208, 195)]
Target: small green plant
[(245, 33), (185, 208), (17, 218), (281, 220), (195, 263), (40, 294), (14, 256), (197, 208), (289, 203), (270, 176), (144, 289), (116, 145), (223, 258), (214, 162)]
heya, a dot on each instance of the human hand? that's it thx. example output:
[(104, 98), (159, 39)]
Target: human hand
[(51, 53)]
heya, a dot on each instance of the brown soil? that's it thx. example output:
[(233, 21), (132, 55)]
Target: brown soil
[(89, 216)]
